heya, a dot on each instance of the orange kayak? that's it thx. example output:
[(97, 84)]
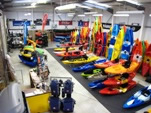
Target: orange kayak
[(110, 63), (120, 69)]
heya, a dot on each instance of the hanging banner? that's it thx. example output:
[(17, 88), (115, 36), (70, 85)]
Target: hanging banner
[(80, 23), (25, 32), (65, 22), (38, 22), (20, 23), (83, 23)]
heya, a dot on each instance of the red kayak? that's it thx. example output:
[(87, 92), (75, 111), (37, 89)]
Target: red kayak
[(70, 54), (146, 63), (110, 63), (72, 45), (119, 79), (118, 89)]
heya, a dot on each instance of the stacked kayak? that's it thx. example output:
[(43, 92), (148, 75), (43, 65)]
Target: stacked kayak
[(64, 49), (146, 67), (81, 60), (110, 63), (114, 85), (88, 66), (127, 44), (115, 32), (70, 54)]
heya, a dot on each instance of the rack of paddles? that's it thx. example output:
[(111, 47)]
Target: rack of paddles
[(66, 104)]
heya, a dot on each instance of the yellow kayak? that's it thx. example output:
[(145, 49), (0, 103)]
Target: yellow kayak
[(63, 49), (81, 60), (118, 45), (27, 52)]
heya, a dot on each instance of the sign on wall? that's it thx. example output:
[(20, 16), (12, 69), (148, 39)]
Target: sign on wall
[(20, 23), (38, 22), (83, 23), (65, 22)]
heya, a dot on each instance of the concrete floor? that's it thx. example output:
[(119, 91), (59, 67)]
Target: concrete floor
[(85, 100)]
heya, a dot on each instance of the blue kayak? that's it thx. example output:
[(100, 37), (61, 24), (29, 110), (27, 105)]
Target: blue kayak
[(127, 44), (114, 35), (139, 98), (88, 66), (97, 84), (31, 63)]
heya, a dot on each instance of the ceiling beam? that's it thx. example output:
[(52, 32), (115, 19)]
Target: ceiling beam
[(139, 7)]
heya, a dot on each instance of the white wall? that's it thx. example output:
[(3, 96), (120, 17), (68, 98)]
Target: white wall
[(18, 15)]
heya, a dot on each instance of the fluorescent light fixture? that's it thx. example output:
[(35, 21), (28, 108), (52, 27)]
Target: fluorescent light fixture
[(130, 1), (33, 4), (27, 14), (149, 14), (70, 15), (130, 12), (123, 15), (97, 3), (81, 15), (97, 15), (71, 6), (42, 1), (89, 13)]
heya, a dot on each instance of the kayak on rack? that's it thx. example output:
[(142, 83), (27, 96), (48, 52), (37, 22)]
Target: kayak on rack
[(70, 54), (113, 90), (119, 79), (127, 44), (91, 72), (110, 63), (64, 49), (81, 60), (87, 66), (129, 67), (97, 84), (139, 98), (146, 62), (118, 44), (115, 32)]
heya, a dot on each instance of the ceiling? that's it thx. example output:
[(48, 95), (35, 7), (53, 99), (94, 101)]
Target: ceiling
[(12, 4)]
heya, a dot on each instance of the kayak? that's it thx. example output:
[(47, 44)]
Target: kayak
[(139, 98), (31, 63), (109, 63), (115, 32), (97, 84), (137, 55), (120, 69), (127, 44), (118, 45), (113, 90), (91, 72), (69, 45), (119, 79), (81, 60), (63, 49), (146, 62), (27, 52), (39, 50), (69, 54), (87, 66)]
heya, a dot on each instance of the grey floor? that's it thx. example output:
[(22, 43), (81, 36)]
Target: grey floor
[(86, 103)]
